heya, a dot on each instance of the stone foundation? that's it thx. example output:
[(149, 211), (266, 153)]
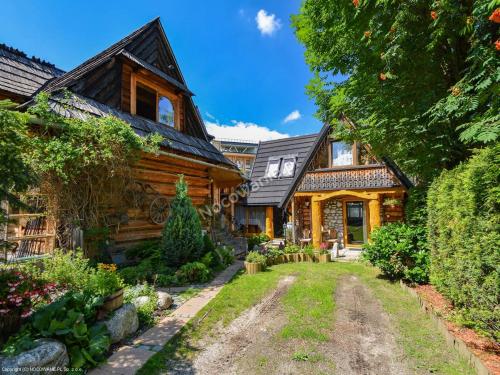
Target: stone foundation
[(332, 218)]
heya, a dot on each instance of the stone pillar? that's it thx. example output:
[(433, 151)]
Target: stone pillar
[(316, 222), (270, 222), (374, 208)]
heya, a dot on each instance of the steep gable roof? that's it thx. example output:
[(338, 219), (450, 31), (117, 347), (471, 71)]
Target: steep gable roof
[(21, 75)]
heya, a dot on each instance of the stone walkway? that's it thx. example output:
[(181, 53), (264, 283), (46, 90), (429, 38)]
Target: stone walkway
[(130, 358)]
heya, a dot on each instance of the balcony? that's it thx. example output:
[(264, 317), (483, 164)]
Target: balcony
[(352, 177)]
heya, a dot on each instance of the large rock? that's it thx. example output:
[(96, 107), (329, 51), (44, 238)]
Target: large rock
[(49, 357), (123, 322), (165, 300)]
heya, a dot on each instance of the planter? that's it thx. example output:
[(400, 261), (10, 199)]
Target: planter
[(270, 261), (9, 324), (325, 258), (281, 259), (111, 303), (288, 258), (308, 258), (253, 268), (296, 257)]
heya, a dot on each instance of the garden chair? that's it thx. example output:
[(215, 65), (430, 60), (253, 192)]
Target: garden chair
[(306, 238)]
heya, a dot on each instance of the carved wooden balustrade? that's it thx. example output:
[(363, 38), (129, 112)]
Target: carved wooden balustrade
[(355, 177)]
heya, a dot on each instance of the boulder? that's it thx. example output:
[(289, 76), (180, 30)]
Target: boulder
[(165, 300), (123, 322), (48, 357), (140, 301)]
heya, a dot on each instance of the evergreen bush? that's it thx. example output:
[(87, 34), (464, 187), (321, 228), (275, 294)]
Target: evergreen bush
[(464, 238), (182, 240)]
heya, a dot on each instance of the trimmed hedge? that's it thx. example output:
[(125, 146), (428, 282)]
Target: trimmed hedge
[(464, 238)]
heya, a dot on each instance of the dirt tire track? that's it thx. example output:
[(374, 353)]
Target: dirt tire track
[(221, 357), (363, 339)]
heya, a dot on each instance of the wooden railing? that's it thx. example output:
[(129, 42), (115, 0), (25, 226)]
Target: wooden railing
[(355, 177)]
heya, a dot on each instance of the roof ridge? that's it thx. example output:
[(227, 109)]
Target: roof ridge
[(22, 54), (290, 138)]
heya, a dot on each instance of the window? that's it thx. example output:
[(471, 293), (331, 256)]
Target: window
[(288, 167), (146, 102), (273, 168), (154, 102), (341, 154), (166, 111)]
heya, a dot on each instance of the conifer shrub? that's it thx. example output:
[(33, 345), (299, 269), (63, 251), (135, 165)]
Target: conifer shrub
[(464, 238), (182, 240)]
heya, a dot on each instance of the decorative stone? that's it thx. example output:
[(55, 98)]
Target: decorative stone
[(165, 300), (140, 301), (49, 357), (123, 322)]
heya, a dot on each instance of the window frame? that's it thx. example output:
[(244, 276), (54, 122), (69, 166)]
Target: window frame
[(136, 79), (273, 159), (354, 152)]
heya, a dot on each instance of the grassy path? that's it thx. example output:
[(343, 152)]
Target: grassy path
[(299, 338)]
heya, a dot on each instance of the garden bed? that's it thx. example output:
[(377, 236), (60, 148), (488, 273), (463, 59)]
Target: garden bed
[(486, 350)]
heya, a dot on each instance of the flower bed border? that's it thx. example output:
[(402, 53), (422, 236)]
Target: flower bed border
[(452, 341)]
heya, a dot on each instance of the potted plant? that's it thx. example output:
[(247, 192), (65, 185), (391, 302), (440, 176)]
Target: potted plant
[(20, 292), (255, 262), (290, 252), (308, 254), (392, 202), (107, 283), (324, 256)]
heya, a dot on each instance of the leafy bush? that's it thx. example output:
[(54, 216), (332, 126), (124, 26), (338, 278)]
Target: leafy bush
[(464, 238), (145, 311), (68, 269), (212, 260), (291, 249), (225, 255), (208, 245), (416, 206), (400, 251), (257, 239), (71, 320), (308, 250), (143, 250), (182, 240), (166, 280), (256, 257), (149, 269), (195, 272)]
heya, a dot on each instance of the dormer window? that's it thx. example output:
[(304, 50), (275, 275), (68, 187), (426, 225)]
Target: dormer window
[(288, 167), (154, 102), (341, 154)]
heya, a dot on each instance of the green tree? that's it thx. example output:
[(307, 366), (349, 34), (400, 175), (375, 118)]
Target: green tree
[(420, 78), (182, 241), (15, 173)]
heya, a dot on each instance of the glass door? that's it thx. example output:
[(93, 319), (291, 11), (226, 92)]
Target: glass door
[(355, 222)]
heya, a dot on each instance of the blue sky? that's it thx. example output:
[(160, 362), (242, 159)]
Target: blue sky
[(240, 58)]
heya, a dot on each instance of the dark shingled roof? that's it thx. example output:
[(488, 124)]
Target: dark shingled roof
[(80, 107), (22, 75), (273, 191)]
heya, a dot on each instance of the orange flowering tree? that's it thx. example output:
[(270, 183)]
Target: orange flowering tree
[(420, 78)]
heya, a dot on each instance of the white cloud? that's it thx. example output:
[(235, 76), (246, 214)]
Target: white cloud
[(267, 23), (243, 130), (210, 116), (294, 115)]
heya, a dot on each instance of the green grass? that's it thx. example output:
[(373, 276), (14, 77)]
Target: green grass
[(309, 308)]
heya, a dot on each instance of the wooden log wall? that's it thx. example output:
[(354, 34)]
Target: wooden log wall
[(160, 173)]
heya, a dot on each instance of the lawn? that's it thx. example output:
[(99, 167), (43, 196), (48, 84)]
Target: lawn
[(304, 320)]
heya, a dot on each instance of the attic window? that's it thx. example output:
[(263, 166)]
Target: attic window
[(154, 102), (287, 167), (273, 168)]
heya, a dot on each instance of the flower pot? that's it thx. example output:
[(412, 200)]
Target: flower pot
[(111, 303), (253, 268), (325, 258), (10, 323)]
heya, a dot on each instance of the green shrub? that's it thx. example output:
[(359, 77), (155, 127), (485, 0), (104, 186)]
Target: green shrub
[(166, 280), (208, 245), (291, 249), (69, 269), (416, 206), (71, 320), (308, 250), (144, 250), (145, 311), (257, 239), (225, 255), (105, 281), (195, 272), (400, 251), (149, 269), (182, 241), (256, 257), (464, 239)]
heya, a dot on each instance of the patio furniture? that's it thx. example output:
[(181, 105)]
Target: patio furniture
[(306, 238)]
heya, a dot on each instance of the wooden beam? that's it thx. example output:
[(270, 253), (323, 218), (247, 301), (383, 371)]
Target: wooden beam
[(316, 222), (374, 212), (270, 222)]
